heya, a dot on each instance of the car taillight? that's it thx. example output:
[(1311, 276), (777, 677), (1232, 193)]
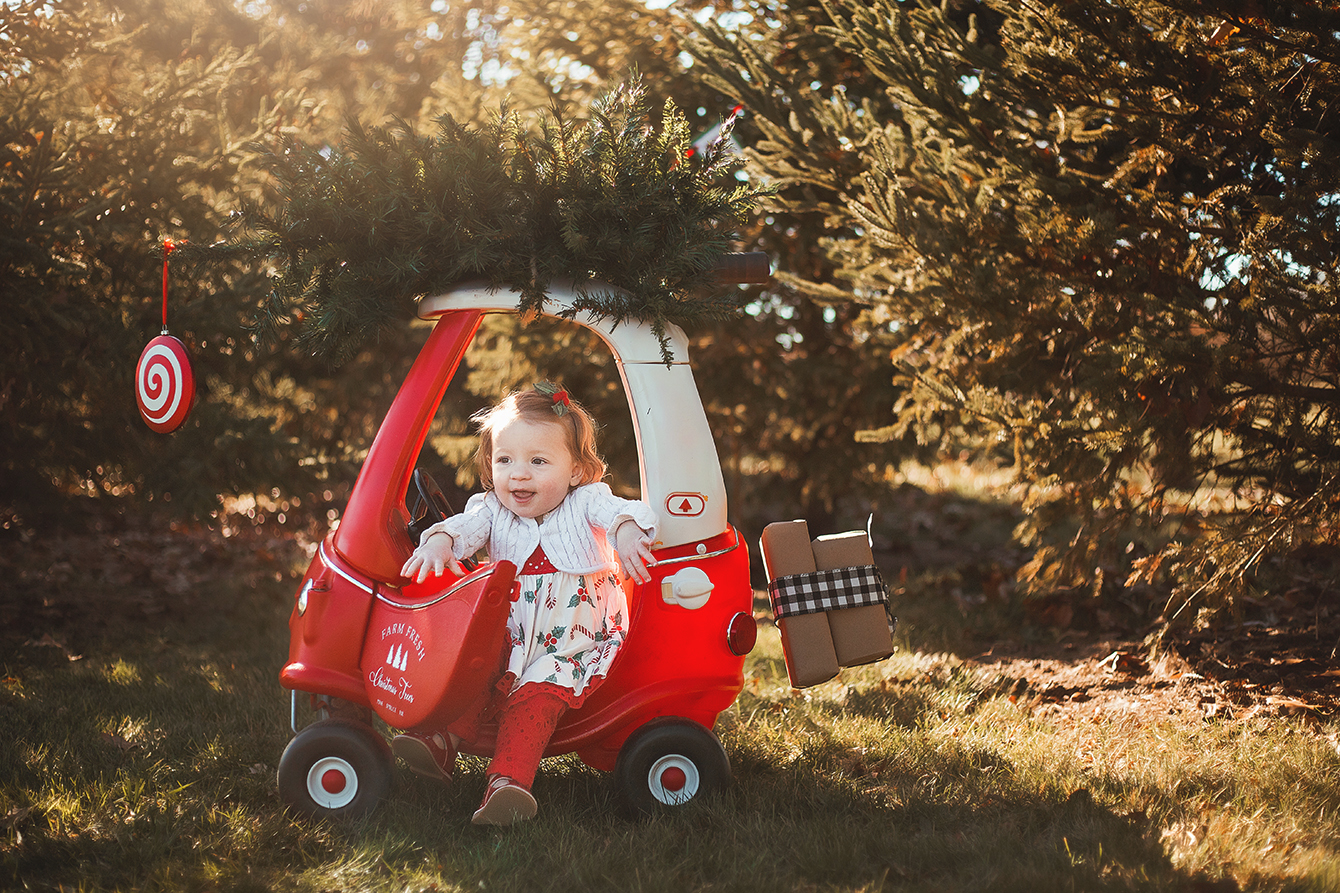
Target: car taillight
[(741, 634)]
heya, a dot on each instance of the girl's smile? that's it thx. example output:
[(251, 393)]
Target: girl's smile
[(533, 466)]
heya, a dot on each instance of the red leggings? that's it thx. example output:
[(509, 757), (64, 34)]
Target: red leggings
[(525, 726), (526, 722)]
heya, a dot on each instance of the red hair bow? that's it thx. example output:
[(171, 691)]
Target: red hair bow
[(558, 395)]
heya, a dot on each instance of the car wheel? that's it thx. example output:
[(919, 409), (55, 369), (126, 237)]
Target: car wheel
[(335, 769), (669, 763)]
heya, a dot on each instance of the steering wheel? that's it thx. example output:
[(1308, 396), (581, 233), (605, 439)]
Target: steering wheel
[(429, 507)]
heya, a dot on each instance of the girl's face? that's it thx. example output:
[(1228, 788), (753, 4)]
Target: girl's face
[(533, 467)]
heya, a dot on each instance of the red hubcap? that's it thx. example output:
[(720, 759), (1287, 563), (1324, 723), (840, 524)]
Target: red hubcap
[(333, 781), (674, 779)]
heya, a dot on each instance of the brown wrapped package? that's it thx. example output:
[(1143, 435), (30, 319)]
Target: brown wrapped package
[(806, 638), (860, 635)]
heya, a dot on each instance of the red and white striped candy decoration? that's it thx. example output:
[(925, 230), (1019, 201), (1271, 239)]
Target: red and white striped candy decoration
[(164, 384)]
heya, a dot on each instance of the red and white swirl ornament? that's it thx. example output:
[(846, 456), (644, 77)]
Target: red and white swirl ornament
[(164, 382)]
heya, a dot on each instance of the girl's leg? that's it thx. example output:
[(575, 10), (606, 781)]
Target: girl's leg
[(430, 755), (524, 729), (527, 723), (433, 755)]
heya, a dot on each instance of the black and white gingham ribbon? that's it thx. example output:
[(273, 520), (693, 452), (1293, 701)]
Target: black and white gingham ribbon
[(832, 590)]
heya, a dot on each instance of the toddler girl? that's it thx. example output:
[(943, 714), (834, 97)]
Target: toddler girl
[(544, 509)]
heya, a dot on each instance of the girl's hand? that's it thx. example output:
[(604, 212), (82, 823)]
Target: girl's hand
[(433, 555), (634, 548)]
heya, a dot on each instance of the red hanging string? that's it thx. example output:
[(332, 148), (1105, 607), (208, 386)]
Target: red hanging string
[(168, 245)]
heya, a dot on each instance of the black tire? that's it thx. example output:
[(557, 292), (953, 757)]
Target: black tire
[(335, 769), (668, 764)]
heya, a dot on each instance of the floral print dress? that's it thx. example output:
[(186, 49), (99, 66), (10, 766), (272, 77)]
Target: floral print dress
[(564, 630)]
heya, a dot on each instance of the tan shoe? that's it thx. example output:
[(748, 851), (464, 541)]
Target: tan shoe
[(505, 802)]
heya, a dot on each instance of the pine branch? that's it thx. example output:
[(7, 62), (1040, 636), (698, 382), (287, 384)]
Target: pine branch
[(614, 204)]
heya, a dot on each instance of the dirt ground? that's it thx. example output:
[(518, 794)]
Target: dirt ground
[(1241, 674), (63, 591), (1070, 658)]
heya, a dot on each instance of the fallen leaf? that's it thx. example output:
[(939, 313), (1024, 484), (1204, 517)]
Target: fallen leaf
[(1126, 663), (48, 642), (14, 816), (117, 741)]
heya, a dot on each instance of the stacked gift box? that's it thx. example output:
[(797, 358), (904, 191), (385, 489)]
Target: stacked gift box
[(829, 601)]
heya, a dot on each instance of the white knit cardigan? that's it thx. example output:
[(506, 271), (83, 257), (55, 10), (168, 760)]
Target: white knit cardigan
[(578, 536)]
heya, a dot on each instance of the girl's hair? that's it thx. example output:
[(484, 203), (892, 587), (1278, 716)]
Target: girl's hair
[(535, 406)]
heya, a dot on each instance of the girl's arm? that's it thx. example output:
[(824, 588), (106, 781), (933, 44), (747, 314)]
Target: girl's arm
[(448, 541), (634, 547), (436, 551), (629, 524)]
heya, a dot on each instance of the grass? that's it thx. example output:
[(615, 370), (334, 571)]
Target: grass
[(148, 763)]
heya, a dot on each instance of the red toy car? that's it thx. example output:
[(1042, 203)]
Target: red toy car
[(365, 641)]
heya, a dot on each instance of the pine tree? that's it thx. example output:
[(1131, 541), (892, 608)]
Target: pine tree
[(1105, 234), (105, 154), (815, 368), (124, 125), (611, 204)]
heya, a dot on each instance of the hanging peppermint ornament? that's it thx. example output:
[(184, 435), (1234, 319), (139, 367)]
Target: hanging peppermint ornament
[(164, 382)]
